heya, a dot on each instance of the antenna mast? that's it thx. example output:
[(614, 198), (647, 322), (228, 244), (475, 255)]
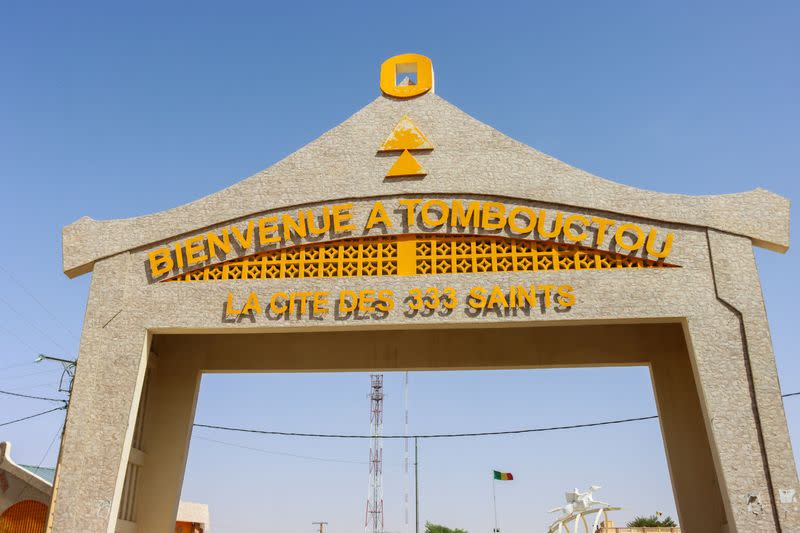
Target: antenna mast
[(405, 448), (374, 516)]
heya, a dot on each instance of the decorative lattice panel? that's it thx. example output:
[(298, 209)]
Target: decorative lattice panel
[(415, 255), (352, 257), (448, 254)]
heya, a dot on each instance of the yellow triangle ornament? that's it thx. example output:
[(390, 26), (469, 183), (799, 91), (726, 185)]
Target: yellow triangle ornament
[(406, 166), (406, 136)]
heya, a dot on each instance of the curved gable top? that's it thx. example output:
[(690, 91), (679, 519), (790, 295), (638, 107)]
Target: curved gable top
[(469, 158)]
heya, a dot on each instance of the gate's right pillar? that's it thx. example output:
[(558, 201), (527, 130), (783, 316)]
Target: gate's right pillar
[(738, 386), (693, 472)]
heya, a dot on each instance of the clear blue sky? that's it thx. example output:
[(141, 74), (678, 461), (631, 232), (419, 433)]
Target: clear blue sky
[(120, 110)]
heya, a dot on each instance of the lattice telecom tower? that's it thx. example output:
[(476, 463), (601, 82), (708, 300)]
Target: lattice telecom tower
[(374, 516)]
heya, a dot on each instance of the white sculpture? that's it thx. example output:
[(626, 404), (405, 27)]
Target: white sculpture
[(579, 505), (578, 501)]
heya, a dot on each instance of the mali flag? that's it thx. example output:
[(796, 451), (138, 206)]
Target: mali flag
[(503, 476)]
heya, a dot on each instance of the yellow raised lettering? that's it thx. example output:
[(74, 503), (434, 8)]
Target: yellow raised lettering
[(378, 215), (477, 298), (320, 302), (246, 240), (194, 246), (385, 301), (441, 217), (410, 205), (266, 226), (292, 226), (666, 248), (341, 215), (512, 219), (365, 299), (312, 221), (602, 226), (556, 229), (566, 298), (497, 297), (251, 304), (273, 303), (219, 246), (494, 215), (348, 301), (229, 308), (547, 294), (160, 262), (526, 296), (462, 219), (572, 219), (636, 230)]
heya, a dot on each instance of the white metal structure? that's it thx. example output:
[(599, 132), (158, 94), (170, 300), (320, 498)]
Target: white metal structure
[(580, 509), (374, 516)]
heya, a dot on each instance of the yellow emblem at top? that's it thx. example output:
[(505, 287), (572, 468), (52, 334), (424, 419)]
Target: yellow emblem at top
[(406, 76), (406, 136)]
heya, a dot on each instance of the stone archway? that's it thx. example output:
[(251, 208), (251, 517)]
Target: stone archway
[(446, 232)]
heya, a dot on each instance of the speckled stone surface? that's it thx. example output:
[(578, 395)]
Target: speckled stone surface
[(715, 294), (469, 158)]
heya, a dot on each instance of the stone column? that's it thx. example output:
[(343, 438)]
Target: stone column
[(691, 463), (102, 411), (168, 430), (739, 288)]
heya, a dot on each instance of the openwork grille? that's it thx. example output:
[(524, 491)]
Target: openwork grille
[(353, 257), (415, 255), (447, 254)]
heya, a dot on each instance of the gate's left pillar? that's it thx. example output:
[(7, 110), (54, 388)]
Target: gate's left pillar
[(103, 406)]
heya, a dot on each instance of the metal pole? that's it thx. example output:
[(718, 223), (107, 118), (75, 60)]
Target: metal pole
[(416, 483), (494, 501), (406, 459)]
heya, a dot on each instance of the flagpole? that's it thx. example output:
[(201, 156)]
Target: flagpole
[(494, 501)]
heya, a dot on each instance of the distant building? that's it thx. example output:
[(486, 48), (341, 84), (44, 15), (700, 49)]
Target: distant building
[(611, 528), (24, 496), (25, 499), (192, 518)]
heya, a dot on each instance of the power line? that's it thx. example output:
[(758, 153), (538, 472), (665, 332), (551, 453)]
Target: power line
[(286, 454), (344, 436), (17, 365), (35, 299), (29, 374), (37, 386), (32, 416), (30, 323), (439, 435), (20, 339), (426, 436), (9, 393), (26, 486)]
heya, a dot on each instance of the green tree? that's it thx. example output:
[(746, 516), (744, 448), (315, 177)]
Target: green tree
[(436, 528), (652, 521)]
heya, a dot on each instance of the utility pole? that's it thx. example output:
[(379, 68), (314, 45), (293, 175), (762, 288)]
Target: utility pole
[(416, 483), (321, 525), (406, 460), (69, 370)]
